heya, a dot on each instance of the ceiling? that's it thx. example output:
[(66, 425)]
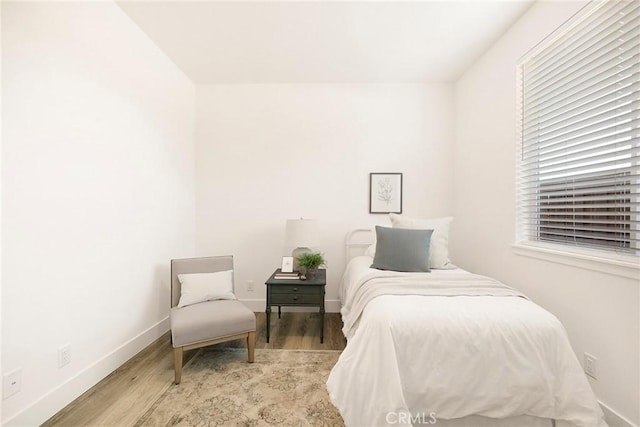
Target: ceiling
[(324, 41)]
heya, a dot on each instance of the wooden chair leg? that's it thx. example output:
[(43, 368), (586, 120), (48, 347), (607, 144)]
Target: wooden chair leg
[(251, 345), (177, 355)]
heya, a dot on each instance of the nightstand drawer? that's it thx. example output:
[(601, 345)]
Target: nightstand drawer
[(277, 299), (296, 289)]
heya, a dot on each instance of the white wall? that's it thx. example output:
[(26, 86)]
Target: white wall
[(1, 370), (599, 311), (97, 193), (266, 153)]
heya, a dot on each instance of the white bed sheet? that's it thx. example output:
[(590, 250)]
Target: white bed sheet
[(454, 356)]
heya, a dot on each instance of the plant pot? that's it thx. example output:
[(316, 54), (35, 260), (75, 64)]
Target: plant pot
[(308, 273)]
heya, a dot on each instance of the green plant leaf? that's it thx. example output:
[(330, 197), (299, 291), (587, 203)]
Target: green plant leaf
[(313, 259)]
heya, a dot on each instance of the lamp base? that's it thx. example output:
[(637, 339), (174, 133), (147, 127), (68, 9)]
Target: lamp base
[(296, 253)]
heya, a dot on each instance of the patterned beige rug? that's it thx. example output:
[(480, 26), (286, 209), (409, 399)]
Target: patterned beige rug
[(219, 388)]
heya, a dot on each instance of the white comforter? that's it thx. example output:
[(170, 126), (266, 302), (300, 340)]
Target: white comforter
[(448, 344)]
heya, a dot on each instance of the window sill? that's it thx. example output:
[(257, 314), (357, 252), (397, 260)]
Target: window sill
[(620, 265)]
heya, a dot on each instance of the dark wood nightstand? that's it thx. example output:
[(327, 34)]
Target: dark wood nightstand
[(296, 293)]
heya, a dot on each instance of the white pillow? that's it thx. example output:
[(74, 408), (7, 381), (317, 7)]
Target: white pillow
[(371, 249), (201, 287), (439, 250)]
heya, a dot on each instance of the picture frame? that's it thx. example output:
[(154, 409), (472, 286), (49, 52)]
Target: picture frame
[(287, 264), (385, 192)]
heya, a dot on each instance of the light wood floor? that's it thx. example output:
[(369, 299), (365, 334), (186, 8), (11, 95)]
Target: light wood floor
[(126, 394)]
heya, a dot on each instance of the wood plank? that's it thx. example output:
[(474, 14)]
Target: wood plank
[(127, 393)]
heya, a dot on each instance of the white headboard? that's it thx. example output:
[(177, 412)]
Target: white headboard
[(357, 242)]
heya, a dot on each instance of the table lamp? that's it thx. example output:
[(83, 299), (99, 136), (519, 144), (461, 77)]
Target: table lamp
[(301, 234)]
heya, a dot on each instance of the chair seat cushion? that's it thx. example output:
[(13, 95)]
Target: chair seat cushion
[(210, 320)]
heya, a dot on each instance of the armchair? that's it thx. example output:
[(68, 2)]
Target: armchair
[(210, 322)]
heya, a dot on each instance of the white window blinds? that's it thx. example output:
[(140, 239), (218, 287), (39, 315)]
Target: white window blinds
[(579, 147)]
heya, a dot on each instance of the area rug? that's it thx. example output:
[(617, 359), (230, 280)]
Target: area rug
[(219, 388)]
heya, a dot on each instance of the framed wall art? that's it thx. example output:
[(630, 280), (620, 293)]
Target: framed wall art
[(385, 193)]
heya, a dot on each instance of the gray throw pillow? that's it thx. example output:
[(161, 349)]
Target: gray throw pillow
[(401, 249)]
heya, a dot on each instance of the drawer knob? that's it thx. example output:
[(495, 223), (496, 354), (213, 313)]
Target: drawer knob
[(295, 289), (295, 298)]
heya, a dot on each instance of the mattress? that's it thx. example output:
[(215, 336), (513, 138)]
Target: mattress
[(449, 345)]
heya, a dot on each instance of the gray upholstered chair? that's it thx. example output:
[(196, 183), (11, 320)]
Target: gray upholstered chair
[(209, 322)]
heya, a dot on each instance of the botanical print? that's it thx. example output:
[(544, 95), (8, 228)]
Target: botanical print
[(385, 192)]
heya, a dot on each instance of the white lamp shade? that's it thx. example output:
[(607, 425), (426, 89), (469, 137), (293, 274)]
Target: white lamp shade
[(302, 233)]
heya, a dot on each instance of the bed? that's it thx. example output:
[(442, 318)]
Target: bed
[(452, 348)]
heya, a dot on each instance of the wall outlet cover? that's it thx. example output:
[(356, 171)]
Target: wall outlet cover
[(590, 367), (11, 383), (64, 355)]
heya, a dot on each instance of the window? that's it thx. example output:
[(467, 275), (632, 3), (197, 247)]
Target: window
[(579, 133)]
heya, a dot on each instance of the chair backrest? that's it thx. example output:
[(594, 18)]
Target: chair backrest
[(196, 265)]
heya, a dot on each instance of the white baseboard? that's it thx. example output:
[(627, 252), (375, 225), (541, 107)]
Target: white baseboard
[(614, 419), (258, 305), (56, 399)]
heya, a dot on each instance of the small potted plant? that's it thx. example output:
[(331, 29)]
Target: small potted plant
[(309, 264)]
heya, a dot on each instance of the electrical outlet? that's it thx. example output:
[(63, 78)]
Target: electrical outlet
[(11, 383), (590, 366), (250, 285), (64, 355)]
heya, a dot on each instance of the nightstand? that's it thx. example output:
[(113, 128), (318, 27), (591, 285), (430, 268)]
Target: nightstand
[(296, 293)]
